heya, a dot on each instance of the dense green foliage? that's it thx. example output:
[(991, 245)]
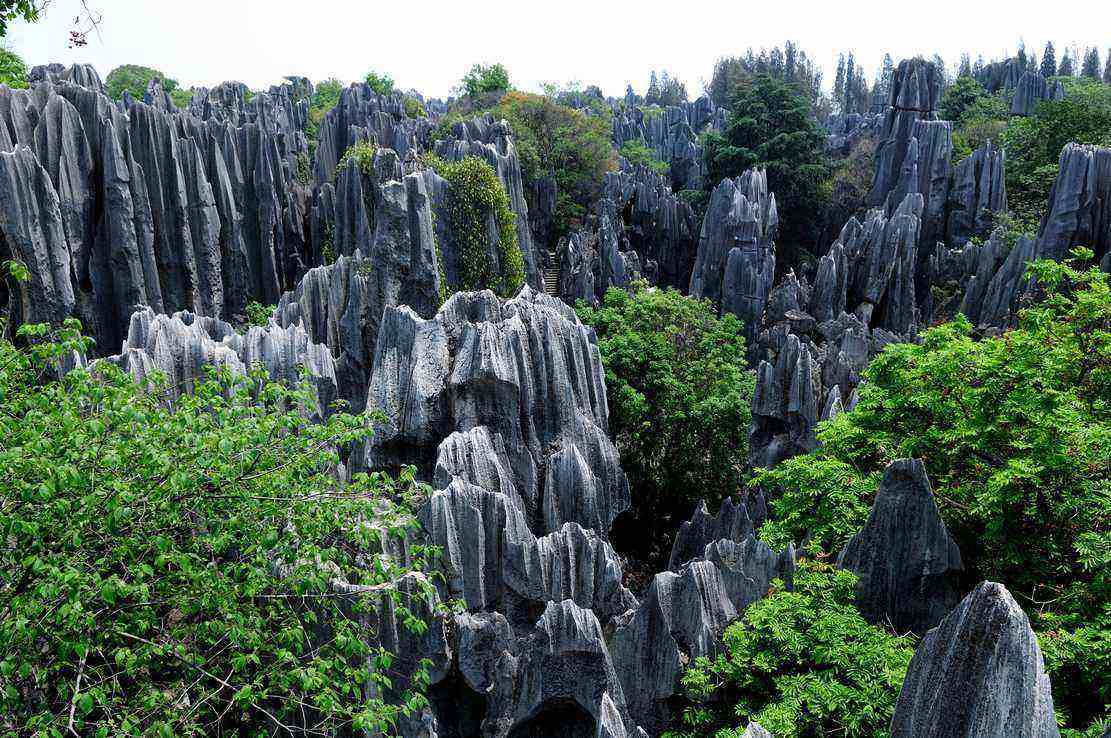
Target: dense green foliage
[(803, 663), (362, 153), (484, 79), (182, 569), (553, 141), (788, 64), (679, 395), (259, 314), (1034, 143), (771, 127), (13, 70), (134, 79), (637, 153), (959, 97), (10, 10), (325, 96), (476, 195), (382, 84), (1015, 432)]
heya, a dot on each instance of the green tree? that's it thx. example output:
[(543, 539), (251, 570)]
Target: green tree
[(380, 83), (192, 568), (27, 10), (679, 394), (771, 127), (1034, 143), (801, 662), (959, 97), (13, 71), (1049, 61), (485, 79), (325, 96), (637, 154), (134, 79), (1015, 432)]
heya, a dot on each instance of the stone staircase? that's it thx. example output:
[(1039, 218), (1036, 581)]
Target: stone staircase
[(551, 276)]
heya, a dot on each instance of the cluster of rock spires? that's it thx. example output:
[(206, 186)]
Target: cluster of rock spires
[(1026, 87), (157, 226), (672, 134)]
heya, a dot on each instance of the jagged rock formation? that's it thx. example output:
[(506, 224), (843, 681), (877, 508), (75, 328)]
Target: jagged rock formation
[(732, 523), (672, 133), (660, 226), (592, 262), (915, 91), (979, 673), (906, 560), (736, 249), (142, 206), (847, 130), (976, 193), (491, 140), (1079, 212), (683, 615), (181, 346), (1031, 89)]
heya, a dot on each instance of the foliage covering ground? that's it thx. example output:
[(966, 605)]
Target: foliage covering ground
[(171, 569), (679, 394)]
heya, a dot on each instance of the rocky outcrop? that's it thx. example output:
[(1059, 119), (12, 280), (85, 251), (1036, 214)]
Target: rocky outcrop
[(660, 226), (1079, 210), (153, 207), (979, 673), (672, 134), (907, 563), (914, 95), (733, 523), (592, 262), (977, 193), (526, 369), (735, 265), (846, 130), (1031, 89), (183, 346)]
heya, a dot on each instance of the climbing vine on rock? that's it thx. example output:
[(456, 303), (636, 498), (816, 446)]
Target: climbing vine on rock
[(476, 193)]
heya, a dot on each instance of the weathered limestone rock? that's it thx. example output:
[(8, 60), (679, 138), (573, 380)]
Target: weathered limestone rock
[(979, 673), (977, 193), (659, 226), (672, 134), (1079, 212), (1031, 89), (731, 523), (736, 250), (525, 368), (907, 562), (915, 90)]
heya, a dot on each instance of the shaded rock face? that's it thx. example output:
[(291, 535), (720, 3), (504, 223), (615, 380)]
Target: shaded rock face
[(976, 194), (735, 265), (915, 91), (182, 346), (1031, 89), (979, 673), (672, 134), (1079, 212), (143, 206), (660, 226), (908, 564), (847, 130), (592, 262), (491, 140)]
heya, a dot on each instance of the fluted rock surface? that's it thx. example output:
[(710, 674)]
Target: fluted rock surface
[(914, 95), (592, 262), (659, 225), (735, 265), (907, 563), (1079, 212), (977, 193), (1031, 89), (672, 134), (979, 673)]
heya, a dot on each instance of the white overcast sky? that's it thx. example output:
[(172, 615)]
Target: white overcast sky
[(428, 44)]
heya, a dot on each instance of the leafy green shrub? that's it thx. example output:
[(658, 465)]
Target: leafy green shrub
[(802, 663), (325, 96), (960, 96), (135, 79), (13, 70), (476, 194), (679, 395), (484, 79), (259, 314), (362, 153), (1034, 143), (380, 83), (1015, 432), (174, 570), (181, 97), (414, 108), (304, 169), (18, 10), (637, 153)]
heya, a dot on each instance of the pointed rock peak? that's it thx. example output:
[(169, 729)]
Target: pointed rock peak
[(979, 673)]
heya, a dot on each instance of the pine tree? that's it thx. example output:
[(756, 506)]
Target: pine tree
[(1049, 61), (1021, 55), (1065, 68), (850, 84), (966, 66), (652, 97), (1107, 69), (790, 54), (839, 81), (1091, 63)]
